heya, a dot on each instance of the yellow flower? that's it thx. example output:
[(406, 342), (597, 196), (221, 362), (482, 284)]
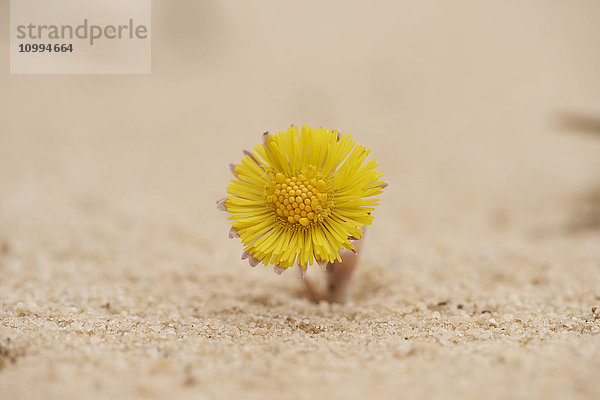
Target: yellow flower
[(302, 196)]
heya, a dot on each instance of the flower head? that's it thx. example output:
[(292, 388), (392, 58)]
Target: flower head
[(302, 196)]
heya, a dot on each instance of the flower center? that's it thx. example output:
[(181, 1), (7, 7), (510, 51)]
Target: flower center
[(299, 199)]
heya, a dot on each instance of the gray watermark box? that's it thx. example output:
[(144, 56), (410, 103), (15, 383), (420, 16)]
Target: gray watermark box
[(80, 37)]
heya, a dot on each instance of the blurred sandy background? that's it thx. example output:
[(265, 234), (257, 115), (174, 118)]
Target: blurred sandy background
[(479, 277)]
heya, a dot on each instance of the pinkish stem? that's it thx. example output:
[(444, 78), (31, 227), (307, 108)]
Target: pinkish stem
[(339, 275)]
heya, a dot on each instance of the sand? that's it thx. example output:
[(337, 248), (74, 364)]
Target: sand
[(480, 277)]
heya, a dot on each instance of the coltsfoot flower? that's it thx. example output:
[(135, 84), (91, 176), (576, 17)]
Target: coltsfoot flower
[(301, 197)]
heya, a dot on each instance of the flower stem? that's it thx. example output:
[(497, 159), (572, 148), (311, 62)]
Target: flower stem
[(339, 275)]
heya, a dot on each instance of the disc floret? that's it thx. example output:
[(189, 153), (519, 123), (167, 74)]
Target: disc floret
[(301, 199)]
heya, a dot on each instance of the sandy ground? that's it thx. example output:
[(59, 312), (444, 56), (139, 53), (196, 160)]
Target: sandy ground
[(479, 279)]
